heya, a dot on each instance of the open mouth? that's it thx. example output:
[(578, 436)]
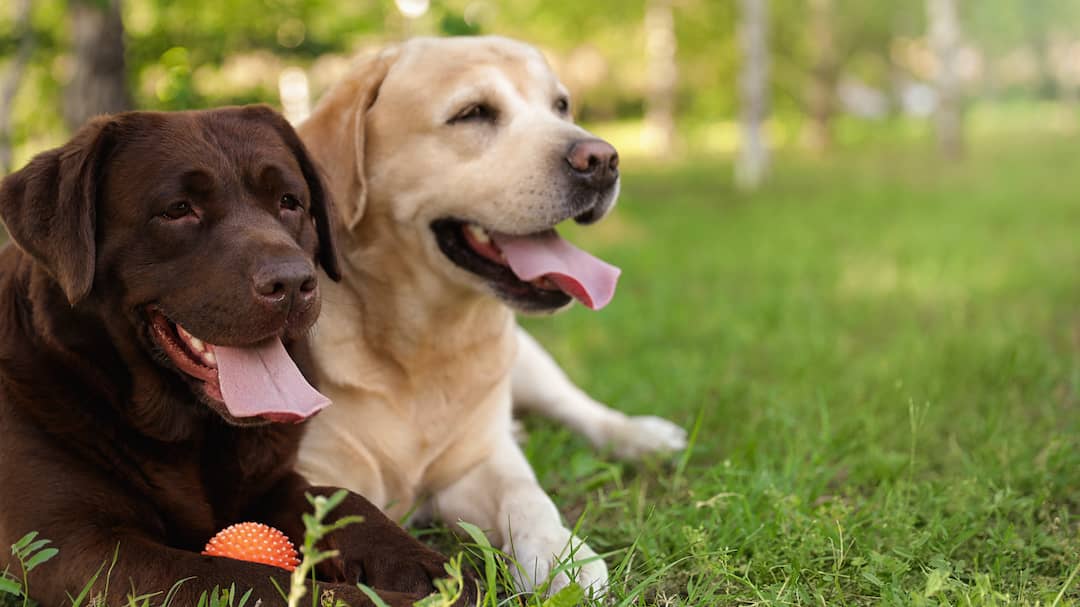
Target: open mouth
[(538, 271), (257, 381), (191, 355)]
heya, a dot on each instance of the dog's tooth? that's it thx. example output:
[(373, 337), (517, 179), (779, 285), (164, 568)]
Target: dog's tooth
[(480, 234), (197, 344), (210, 358)]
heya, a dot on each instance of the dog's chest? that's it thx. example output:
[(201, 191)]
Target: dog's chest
[(212, 487), (407, 424), (394, 450), (448, 420)]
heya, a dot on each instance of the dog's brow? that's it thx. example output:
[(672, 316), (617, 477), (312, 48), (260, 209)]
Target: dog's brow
[(269, 172), (270, 176), (475, 93), (197, 181)]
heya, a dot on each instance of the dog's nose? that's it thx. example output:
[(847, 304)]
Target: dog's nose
[(595, 163), (284, 283)]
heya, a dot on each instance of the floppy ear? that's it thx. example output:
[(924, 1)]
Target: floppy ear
[(335, 131), (322, 202), (49, 207), (322, 207)]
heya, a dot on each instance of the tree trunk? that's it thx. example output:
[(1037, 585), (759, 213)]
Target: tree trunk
[(660, 47), (1061, 53), (823, 75), (752, 162), (10, 86), (945, 41), (99, 81)]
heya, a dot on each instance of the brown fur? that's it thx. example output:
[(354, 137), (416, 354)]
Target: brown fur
[(103, 443)]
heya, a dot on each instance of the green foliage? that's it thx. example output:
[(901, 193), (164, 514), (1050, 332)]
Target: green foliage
[(490, 557), (184, 54), (315, 529), (447, 590), (29, 552), (224, 597), (567, 597), (879, 356), (84, 594), (375, 599), (10, 586)]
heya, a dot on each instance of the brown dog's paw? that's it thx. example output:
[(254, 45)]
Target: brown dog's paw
[(470, 591), (411, 572), (354, 597)]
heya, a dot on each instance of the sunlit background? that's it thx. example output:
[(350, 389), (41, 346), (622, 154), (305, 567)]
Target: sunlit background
[(660, 77), (848, 232)]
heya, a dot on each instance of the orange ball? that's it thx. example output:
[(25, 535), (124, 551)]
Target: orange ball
[(256, 543)]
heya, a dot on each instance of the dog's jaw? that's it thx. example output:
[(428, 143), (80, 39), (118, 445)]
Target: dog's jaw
[(463, 250)]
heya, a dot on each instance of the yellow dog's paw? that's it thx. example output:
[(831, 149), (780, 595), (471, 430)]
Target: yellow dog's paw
[(637, 437), (537, 556)]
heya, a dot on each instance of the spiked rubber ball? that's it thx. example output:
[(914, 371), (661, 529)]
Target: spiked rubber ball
[(256, 543)]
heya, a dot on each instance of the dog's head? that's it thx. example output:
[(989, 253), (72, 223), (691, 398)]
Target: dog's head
[(193, 239), (465, 149)]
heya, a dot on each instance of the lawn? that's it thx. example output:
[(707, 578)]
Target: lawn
[(880, 357)]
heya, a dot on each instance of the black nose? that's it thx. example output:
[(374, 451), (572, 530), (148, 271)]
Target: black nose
[(594, 163), (285, 283)]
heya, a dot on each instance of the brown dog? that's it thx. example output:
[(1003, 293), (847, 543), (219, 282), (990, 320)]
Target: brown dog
[(162, 262)]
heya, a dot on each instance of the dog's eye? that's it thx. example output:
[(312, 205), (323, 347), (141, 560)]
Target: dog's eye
[(178, 210), (562, 105), (477, 112), (290, 202)]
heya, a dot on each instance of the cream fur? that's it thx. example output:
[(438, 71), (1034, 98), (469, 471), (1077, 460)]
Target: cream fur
[(422, 361)]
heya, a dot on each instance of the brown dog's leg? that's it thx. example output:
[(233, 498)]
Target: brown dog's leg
[(145, 567), (377, 551)]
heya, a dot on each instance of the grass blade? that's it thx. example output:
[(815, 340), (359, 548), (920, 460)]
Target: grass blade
[(375, 598), (34, 547), (78, 600), (491, 568), (10, 586), (23, 542), (1065, 586), (40, 558), (570, 596)]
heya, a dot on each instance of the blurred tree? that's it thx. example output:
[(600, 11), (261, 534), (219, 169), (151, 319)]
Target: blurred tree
[(1002, 28), (944, 35), (10, 85), (752, 162), (192, 53), (824, 74), (99, 80), (660, 49), (822, 48)]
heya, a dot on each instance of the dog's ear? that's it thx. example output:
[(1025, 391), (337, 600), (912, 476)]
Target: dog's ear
[(322, 201), (335, 131), (49, 207)]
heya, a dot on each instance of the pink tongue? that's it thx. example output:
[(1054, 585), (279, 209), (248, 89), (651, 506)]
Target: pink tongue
[(263, 381), (578, 274)]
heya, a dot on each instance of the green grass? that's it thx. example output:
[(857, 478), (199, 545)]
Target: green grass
[(884, 355), (881, 354)]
